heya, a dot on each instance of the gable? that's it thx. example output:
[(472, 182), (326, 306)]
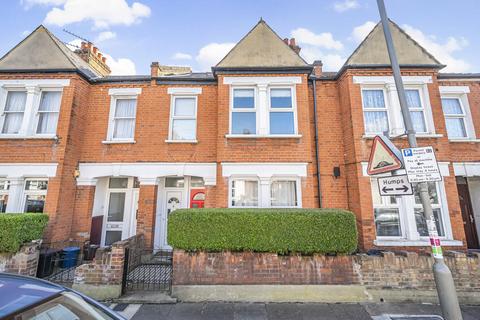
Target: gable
[(261, 48), (373, 50), (42, 51)]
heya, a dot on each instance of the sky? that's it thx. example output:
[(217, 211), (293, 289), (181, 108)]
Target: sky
[(198, 33)]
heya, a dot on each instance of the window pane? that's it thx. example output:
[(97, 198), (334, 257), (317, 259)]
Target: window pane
[(280, 98), (281, 123), (432, 191), (376, 121), (12, 122), (112, 237), (418, 121), (47, 123), (373, 99), (183, 129), (244, 193), (16, 101), (456, 128), (50, 101), (36, 185), (4, 185), (124, 128), (196, 182), (451, 106), (199, 196), (118, 183), (125, 108), (35, 203), (244, 98), (387, 222), (422, 225), (413, 99), (184, 107), (116, 206), (3, 202), (244, 123), (173, 182), (283, 194)]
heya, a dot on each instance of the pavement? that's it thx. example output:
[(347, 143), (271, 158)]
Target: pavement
[(286, 311)]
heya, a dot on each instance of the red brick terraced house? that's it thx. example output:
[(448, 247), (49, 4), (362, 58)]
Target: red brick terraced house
[(108, 157)]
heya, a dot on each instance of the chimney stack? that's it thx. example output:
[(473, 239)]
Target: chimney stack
[(317, 68), (291, 43), (159, 70), (93, 57)]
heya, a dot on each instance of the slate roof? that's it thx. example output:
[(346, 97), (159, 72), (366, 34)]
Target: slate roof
[(373, 50), (41, 51), (261, 47)]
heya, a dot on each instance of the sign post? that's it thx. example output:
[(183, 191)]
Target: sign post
[(443, 277), (394, 186)]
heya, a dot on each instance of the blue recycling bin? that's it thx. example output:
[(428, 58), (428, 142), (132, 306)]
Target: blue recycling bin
[(69, 257)]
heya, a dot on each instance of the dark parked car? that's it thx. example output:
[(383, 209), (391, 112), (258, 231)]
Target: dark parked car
[(31, 298)]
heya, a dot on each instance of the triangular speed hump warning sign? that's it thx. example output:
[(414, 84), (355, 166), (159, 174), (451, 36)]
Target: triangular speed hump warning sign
[(384, 157)]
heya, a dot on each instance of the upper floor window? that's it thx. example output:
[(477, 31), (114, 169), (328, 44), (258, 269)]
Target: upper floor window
[(282, 116), (123, 113), (244, 114), (48, 112), (415, 107), (13, 112), (374, 111), (183, 119), (454, 118)]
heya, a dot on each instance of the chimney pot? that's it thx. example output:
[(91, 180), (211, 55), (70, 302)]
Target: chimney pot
[(286, 41), (292, 42), (95, 50), (317, 68), (83, 45), (99, 55), (154, 69), (104, 59)]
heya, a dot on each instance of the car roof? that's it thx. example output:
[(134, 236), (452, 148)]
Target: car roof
[(18, 292)]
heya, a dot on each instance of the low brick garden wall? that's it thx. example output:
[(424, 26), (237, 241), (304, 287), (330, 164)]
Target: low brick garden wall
[(405, 276), (23, 262)]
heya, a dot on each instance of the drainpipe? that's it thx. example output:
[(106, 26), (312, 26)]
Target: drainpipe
[(316, 139)]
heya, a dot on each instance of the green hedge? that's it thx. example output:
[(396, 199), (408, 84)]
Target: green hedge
[(283, 231), (19, 228)]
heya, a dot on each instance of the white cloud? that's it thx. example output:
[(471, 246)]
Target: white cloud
[(121, 66), (443, 52), (26, 33), (102, 13), (322, 40), (74, 44), (181, 56), (105, 35), (331, 61), (359, 33), (209, 55), (346, 5)]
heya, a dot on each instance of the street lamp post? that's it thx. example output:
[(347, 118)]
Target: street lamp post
[(443, 277)]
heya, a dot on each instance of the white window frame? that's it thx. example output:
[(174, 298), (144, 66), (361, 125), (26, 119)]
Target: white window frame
[(3, 192), (244, 178), (33, 192), (442, 199), (254, 109), (420, 109), (115, 95), (38, 112), (460, 93), (174, 117), (298, 191), (3, 112), (33, 87), (386, 109), (293, 109)]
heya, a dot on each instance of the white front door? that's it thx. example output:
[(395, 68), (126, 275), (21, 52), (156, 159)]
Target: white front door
[(174, 199)]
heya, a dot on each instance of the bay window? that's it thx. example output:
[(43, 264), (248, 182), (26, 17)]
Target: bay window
[(35, 194), (48, 112), (244, 114), (244, 193), (374, 111), (282, 115), (183, 119), (455, 116), (4, 189), (416, 109), (13, 112)]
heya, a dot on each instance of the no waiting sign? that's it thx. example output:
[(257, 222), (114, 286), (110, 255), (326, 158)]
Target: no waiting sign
[(421, 165)]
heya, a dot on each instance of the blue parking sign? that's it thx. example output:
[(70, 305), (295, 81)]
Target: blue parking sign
[(407, 152)]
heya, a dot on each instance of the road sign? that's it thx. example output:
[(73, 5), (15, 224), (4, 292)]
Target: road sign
[(421, 165), (394, 186), (384, 157)]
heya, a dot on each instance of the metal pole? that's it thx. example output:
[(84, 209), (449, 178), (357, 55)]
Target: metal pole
[(443, 277)]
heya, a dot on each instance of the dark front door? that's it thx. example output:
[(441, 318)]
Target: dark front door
[(467, 215)]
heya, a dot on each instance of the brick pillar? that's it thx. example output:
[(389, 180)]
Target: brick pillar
[(147, 208), (210, 196), (82, 214)]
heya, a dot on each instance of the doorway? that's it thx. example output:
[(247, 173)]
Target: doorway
[(468, 215)]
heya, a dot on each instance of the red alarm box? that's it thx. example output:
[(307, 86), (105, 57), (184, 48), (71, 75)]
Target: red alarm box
[(197, 198)]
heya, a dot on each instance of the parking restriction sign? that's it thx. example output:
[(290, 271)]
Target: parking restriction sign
[(421, 165)]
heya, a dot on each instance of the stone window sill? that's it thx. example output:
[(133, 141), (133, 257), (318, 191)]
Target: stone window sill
[(119, 142), (181, 141), (419, 136), (414, 243), (464, 140), (257, 136), (36, 137)]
